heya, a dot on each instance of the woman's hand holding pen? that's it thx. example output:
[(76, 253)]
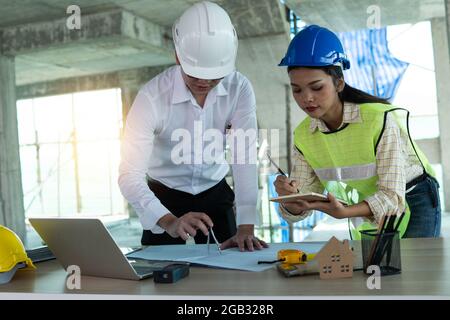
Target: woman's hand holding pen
[(284, 186)]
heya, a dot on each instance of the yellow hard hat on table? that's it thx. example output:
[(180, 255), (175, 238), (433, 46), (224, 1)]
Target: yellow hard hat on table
[(12, 255)]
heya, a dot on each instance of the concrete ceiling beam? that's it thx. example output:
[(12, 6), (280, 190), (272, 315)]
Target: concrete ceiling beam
[(346, 15), (39, 36), (105, 42)]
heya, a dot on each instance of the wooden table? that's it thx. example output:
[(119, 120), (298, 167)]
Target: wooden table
[(425, 272)]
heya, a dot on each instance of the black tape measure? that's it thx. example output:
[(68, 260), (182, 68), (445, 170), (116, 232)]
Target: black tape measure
[(171, 273)]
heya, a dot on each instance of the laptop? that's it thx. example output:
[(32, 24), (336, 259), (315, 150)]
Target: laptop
[(89, 245)]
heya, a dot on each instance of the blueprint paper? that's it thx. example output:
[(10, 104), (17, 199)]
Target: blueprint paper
[(229, 259)]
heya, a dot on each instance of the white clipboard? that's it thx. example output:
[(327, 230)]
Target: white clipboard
[(311, 196)]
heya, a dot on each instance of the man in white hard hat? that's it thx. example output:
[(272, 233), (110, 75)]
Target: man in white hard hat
[(170, 173)]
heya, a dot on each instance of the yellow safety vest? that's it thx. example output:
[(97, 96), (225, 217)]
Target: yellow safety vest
[(345, 160)]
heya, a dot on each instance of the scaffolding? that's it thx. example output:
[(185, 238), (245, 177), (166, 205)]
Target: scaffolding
[(70, 142)]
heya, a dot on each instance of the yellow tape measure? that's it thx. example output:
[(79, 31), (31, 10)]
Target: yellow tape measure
[(291, 256)]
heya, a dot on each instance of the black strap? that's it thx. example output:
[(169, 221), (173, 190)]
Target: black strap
[(417, 180), (407, 131)]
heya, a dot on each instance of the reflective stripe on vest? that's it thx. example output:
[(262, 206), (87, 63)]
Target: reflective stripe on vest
[(357, 172)]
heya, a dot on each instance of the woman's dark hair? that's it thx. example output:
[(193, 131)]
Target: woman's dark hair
[(349, 94)]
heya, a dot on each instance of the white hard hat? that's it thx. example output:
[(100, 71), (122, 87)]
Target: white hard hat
[(205, 41)]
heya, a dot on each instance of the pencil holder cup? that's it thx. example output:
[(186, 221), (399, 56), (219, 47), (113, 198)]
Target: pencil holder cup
[(382, 250)]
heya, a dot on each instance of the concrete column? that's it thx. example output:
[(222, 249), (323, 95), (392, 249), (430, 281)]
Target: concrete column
[(440, 31), (12, 212), (130, 81), (129, 88), (257, 56)]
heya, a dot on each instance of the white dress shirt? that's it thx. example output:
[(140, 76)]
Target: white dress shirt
[(164, 110)]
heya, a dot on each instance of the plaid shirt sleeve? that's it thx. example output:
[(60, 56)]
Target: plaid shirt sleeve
[(390, 197)]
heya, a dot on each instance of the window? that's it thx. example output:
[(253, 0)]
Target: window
[(70, 153), (336, 257), (327, 269), (345, 268), (417, 90)]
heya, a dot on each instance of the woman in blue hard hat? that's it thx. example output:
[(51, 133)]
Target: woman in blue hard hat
[(353, 145)]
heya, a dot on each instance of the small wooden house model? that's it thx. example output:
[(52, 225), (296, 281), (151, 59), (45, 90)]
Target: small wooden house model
[(335, 260)]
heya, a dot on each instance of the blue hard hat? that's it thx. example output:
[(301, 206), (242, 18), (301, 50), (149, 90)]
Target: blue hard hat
[(315, 46)]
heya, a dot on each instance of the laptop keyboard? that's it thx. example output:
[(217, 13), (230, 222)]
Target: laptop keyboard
[(40, 254)]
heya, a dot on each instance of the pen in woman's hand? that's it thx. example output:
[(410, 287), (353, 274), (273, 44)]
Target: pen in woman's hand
[(275, 165), (278, 168)]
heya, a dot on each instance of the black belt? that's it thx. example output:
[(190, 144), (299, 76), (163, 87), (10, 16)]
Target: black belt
[(417, 180), (152, 182)]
